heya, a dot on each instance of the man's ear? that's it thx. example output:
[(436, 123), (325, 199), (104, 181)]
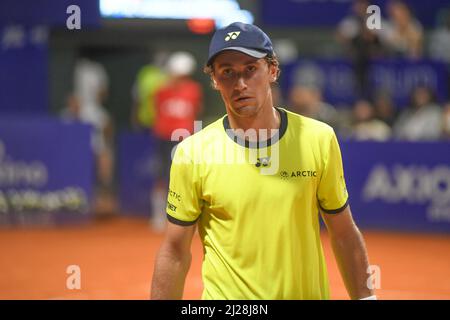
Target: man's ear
[(273, 73), (214, 83)]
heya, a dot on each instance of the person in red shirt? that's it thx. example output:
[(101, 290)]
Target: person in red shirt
[(177, 107), (178, 104)]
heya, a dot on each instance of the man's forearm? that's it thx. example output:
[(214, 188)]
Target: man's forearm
[(169, 275), (351, 256)]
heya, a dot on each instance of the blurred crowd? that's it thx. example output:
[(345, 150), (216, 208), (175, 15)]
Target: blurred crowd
[(378, 119), (374, 116)]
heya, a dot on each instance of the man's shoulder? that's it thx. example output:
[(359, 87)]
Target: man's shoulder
[(308, 125)]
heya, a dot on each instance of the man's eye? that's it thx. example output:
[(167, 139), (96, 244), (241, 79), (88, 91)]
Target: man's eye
[(251, 68), (227, 72)]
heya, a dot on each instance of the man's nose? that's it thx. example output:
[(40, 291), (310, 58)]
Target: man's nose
[(240, 84)]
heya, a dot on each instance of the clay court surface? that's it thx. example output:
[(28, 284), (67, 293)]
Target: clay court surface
[(116, 259)]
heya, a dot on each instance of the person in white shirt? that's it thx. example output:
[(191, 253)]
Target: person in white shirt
[(422, 119), (91, 87)]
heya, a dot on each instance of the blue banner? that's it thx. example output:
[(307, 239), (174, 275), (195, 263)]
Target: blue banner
[(23, 69), (136, 163), (46, 171), (48, 12), (399, 185), (398, 77), (321, 13)]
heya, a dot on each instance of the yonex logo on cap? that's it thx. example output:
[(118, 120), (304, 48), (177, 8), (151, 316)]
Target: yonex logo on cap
[(232, 35), (243, 37)]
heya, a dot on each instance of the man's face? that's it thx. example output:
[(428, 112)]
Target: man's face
[(243, 81)]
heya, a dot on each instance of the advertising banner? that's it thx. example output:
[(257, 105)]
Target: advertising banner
[(46, 171), (136, 164), (399, 185)]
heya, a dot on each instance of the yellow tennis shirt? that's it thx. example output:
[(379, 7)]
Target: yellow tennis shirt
[(257, 206)]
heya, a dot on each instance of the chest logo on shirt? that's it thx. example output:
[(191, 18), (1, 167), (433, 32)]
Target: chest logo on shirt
[(262, 162), (285, 175)]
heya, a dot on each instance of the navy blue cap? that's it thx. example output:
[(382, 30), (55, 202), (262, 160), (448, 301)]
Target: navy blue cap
[(243, 37)]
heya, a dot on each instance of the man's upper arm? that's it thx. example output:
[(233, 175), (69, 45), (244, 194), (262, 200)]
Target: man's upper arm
[(184, 194), (332, 191), (179, 238)]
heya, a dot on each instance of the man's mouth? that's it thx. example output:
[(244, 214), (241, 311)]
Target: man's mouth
[(241, 99)]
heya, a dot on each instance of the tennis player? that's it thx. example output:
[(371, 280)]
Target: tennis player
[(258, 213)]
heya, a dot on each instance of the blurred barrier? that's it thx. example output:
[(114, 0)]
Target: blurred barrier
[(394, 185), (399, 185), (136, 163), (314, 13), (398, 77), (46, 171), (23, 69)]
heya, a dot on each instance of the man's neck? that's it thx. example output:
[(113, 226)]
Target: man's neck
[(267, 119)]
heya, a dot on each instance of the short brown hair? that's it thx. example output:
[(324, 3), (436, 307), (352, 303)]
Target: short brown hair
[(272, 60)]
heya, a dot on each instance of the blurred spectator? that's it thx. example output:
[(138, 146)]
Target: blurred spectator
[(91, 89), (403, 34), (384, 108), (366, 126), (439, 47), (307, 101), (360, 43), (422, 119), (178, 104), (72, 111), (148, 80), (446, 121)]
